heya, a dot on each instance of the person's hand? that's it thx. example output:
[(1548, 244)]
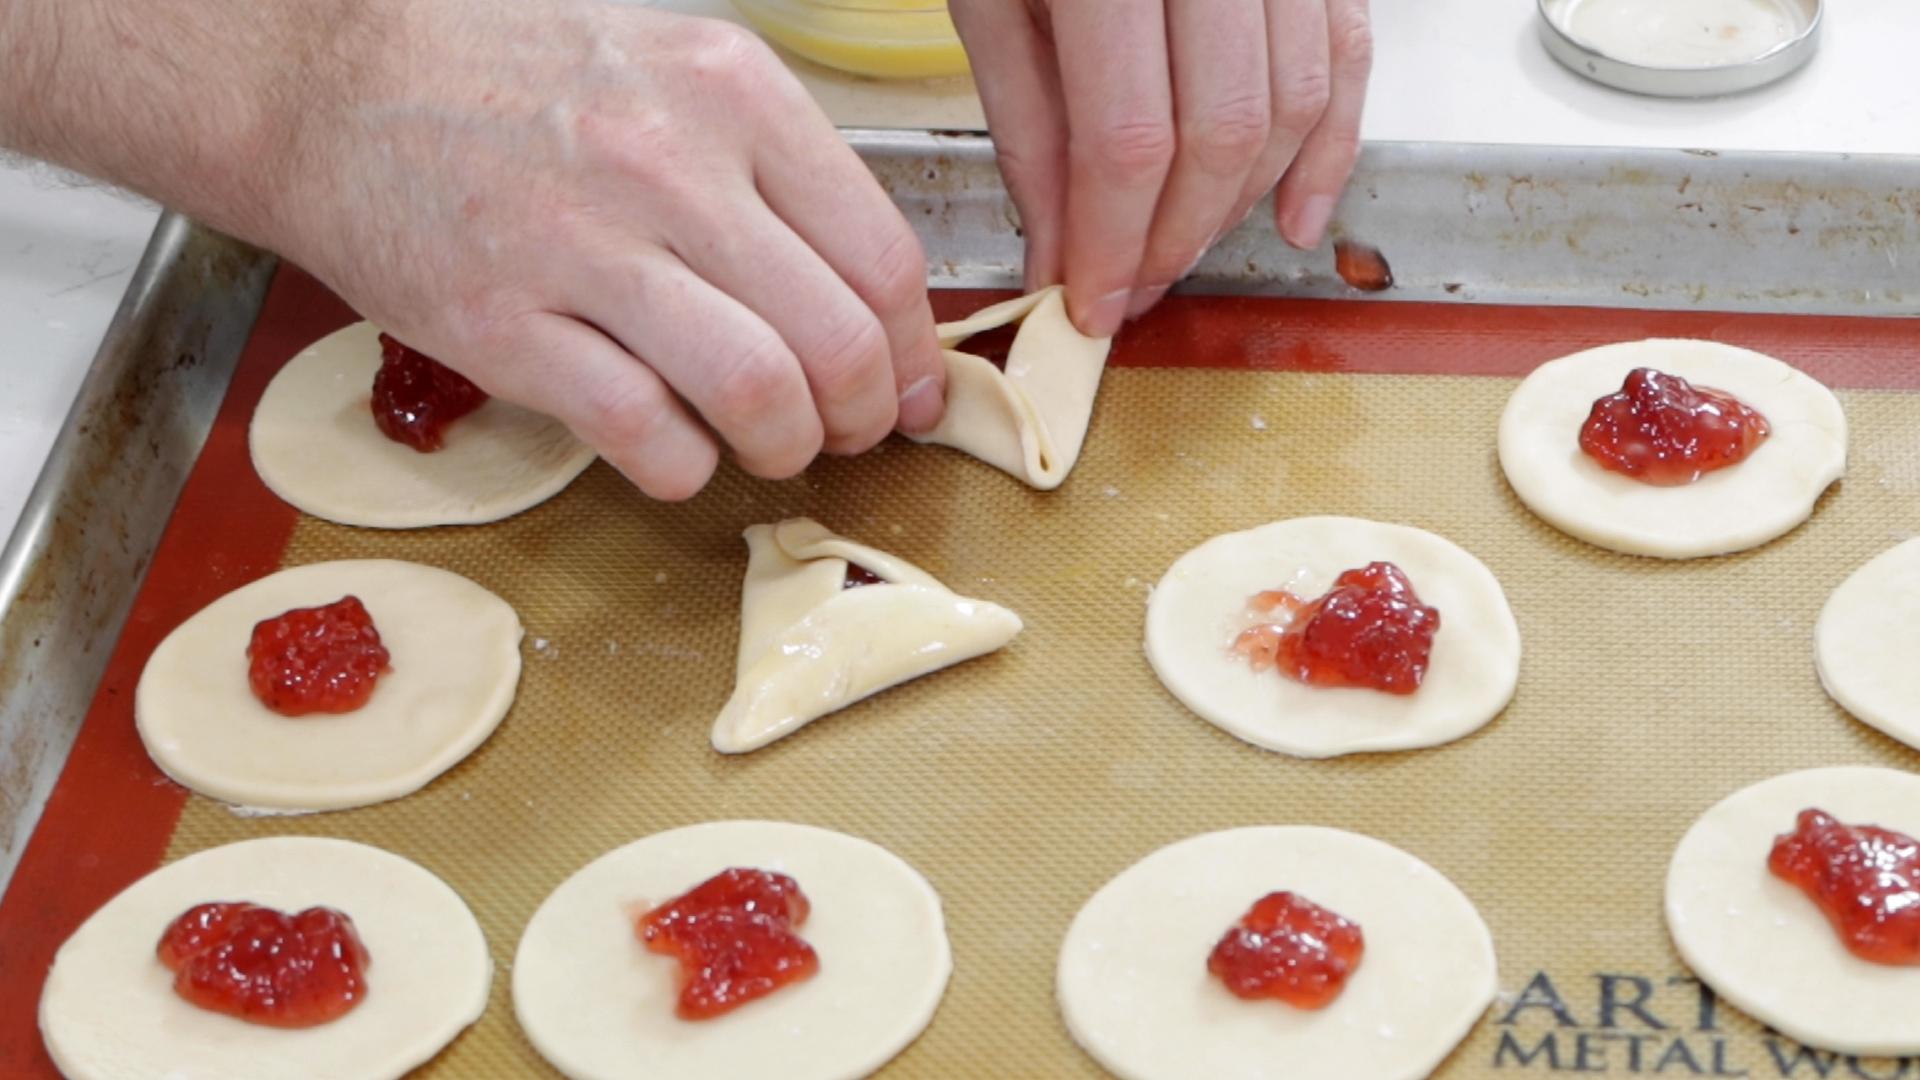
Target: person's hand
[(634, 221), (1133, 133)]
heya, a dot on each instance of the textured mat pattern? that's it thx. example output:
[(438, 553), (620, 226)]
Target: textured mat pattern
[(1021, 782)]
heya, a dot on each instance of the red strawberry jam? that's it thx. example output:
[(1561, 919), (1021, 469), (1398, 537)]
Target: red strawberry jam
[(1370, 630), (317, 659), (1288, 947), (1662, 430), (265, 966), (858, 575), (1865, 878), (415, 396), (734, 937)]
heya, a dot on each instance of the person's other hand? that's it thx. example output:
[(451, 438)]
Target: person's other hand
[(634, 221), (1133, 133)]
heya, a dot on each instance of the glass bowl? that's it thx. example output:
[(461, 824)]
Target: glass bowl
[(887, 39)]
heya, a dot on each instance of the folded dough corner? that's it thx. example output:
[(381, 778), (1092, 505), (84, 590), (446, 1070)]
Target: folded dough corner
[(810, 646), (1031, 419)]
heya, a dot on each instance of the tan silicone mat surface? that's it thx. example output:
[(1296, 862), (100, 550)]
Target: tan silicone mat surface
[(1021, 782)]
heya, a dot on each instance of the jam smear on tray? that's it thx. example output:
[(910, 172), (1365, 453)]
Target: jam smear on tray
[(1370, 630), (415, 396), (858, 575), (1362, 266), (265, 966), (1660, 429), (317, 659), (1290, 948), (734, 936), (1865, 878)]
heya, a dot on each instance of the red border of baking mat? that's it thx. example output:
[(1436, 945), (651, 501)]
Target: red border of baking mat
[(112, 814)]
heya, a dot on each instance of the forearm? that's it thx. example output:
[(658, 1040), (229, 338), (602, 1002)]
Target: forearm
[(196, 103)]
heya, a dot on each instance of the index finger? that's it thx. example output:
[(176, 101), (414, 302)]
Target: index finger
[(1114, 74)]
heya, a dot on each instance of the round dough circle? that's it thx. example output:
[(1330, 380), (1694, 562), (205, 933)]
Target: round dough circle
[(597, 1004), (1729, 510), (1136, 994), (315, 445), (455, 650), (1200, 606), (108, 1011), (1865, 641), (1762, 945)]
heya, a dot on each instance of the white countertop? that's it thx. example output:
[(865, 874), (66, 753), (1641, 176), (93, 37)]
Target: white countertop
[(1445, 71)]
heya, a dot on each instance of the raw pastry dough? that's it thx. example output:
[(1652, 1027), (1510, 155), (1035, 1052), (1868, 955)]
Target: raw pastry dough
[(1729, 510), (455, 651), (1031, 419), (1136, 994), (1762, 945), (1200, 607), (1866, 641), (315, 445), (809, 647), (599, 1006), (109, 1012)]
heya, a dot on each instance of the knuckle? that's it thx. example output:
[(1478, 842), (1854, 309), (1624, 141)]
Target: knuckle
[(1228, 136), (1024, 166), (1350, 37), (730, 60), (1134, 148), (626, 417), (846, 358), (1302, 99), (639, 141), (751, 388), (897, 275), (1342, 148)]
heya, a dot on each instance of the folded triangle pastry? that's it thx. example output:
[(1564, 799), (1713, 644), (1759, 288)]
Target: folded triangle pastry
[(1031, 419), (811, 642)]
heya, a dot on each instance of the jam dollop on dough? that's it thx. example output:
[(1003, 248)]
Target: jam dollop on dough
[(1864, 878), (415, 396), (318, 659), (1370, 630), (1290, 948), (734, 937), (1660, 429), (265, 966)]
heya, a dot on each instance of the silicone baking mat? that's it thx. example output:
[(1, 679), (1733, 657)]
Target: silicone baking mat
[(1021, 782)]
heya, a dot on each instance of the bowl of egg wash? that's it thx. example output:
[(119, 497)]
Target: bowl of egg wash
[(886, 39), (1682, 48)]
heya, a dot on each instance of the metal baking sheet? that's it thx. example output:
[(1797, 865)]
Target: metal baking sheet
[(1681, 229), (1493, 231), (70, 570)]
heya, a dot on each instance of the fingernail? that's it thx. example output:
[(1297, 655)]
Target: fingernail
[(1306, 226), (1107, 314), (921, 405), (1143, 300)]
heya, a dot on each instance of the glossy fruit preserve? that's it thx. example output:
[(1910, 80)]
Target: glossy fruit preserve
[(1290, 948), (1370, 630), (1662, 430), (1864, 878), (265, 966), (734, 935), (415, 396), (318, 659)]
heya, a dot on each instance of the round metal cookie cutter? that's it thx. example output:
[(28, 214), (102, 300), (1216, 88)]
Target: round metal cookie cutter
[(1658, 75)]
